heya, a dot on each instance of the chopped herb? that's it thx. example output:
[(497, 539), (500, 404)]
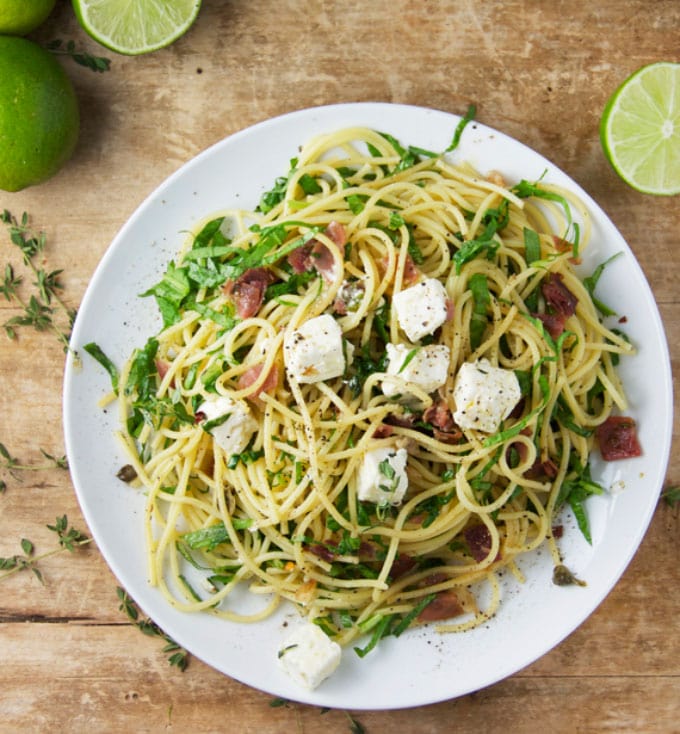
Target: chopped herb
[(380, 630), (525, 189), (471, 249), (83, 58), (39, 311), (209, 538), (532, 246), (671, 495), (465, 120), (407, 619), (591, 283), (481, 299), (408, 359), (178, 657), (575, 489), (96, 353)]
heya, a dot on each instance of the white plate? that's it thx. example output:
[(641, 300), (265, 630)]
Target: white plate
[(420, 667)]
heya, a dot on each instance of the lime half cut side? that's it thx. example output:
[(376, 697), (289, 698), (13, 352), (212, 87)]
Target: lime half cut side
[(134, 27), (640, 129)]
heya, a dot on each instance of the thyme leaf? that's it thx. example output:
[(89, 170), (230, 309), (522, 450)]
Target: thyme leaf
[(83, 58), (178, 657), (39, 310)]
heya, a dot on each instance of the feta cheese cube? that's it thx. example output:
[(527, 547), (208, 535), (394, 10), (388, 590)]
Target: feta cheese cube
[(382, 476), (422, 308), (484, 395), (230, 423), (316, 351), (426, 367), (309, 656)]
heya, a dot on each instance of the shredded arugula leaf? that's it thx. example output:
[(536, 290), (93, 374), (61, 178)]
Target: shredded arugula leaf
[(591, 283), (574, 491), (95, 351), (482, 298), (458, 132)]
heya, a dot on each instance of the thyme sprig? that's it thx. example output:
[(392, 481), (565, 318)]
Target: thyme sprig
[(354, 726), (177, 655), (671, 495), (70, 539), (83, 58), (13, 465), (41, 307)]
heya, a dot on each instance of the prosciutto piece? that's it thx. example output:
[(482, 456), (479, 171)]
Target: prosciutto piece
[(248, 290), (617, 438), (315, 255)]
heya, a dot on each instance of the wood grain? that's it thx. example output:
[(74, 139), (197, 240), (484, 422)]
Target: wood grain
[(540, 72)]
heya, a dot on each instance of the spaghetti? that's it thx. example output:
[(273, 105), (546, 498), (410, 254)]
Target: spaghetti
[(297, 423)]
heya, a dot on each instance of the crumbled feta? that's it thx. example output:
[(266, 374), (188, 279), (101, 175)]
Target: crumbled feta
[(426, 367), (422, 308), (309, 656), (234, 432), (316, 351), (484, 395), (382, 476)]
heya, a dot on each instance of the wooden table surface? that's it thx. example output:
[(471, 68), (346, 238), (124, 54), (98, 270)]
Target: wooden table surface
[(540, 72)]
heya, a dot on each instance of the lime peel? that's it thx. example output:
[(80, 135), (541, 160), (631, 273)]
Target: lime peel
[(640, 129), (134, 27)]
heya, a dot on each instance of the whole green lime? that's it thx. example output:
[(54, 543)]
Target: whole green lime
[(39, 119), (19, 17)]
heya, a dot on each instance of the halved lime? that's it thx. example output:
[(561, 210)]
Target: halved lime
[(135, 27), (640, 129)]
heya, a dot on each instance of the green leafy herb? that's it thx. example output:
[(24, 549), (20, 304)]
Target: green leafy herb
[(525, 189), (14, 466), (177, 656), (274, 196), (209, 538), (354, 726), (532, 246), (471, 249), (575, 489), (591, 283), (408, 359), (465, 120), (69, 540), (671, 495), (96, 353), (39, 309), (83, 58), (407, 619), (69, 537), (380, 630), (481, 298), (503, 436)]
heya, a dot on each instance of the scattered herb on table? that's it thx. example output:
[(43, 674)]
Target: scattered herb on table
[(43, 309), (13, 465), (671, 495), (177, 655), (70, 539), (83, 58)]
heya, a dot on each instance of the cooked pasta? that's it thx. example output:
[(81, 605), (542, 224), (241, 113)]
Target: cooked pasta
[(371, 394)]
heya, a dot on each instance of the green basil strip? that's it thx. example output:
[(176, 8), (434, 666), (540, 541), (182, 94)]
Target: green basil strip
[(408, 618), (514, 430), (532, 246), (481, 297), (95, 351), (380, 630), (458, 132)]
